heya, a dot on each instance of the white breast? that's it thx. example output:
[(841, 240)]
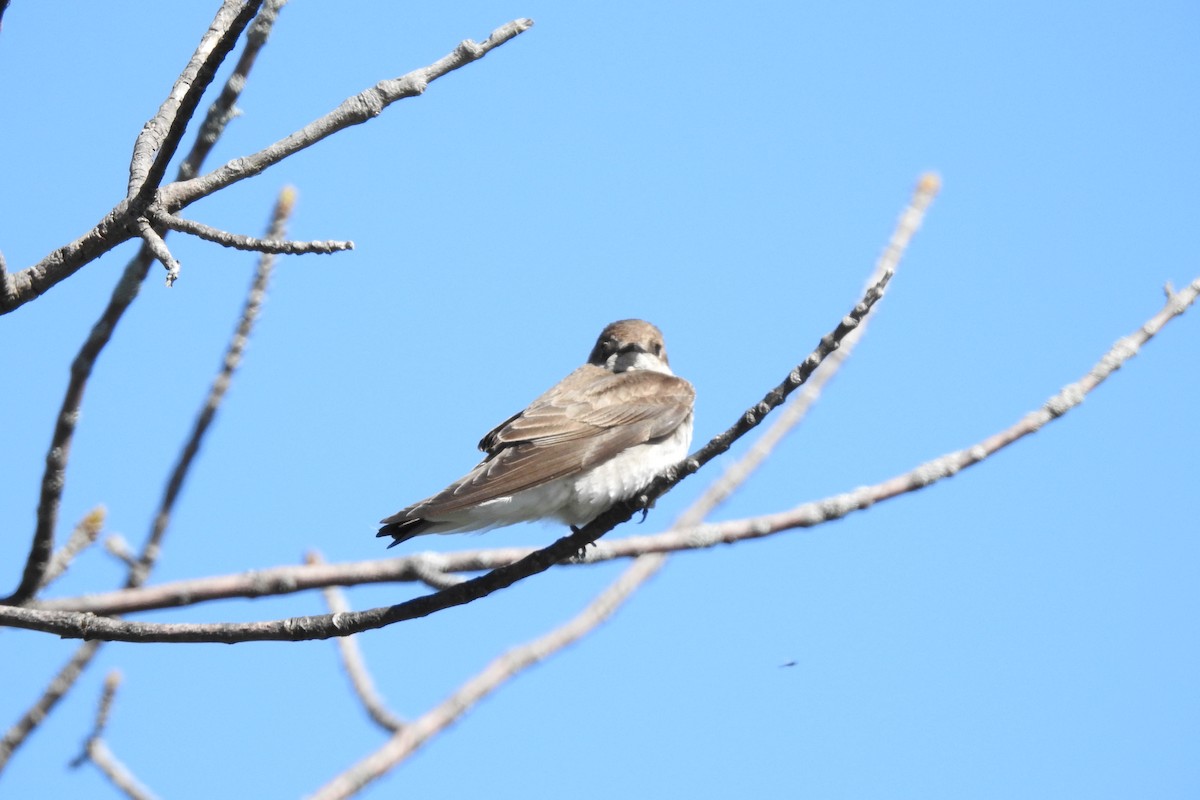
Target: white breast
[(622, 476)]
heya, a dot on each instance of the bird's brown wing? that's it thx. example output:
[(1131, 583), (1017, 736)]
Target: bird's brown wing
[(567, 431)]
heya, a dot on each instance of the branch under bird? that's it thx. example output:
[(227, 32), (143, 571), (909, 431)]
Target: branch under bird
[(594, 439)]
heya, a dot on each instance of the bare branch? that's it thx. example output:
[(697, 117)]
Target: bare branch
[(906, 227), (424, 571), (355, 665), (74, 624), (160, 137), (158, 249), (153, 151), (119, 548), (434, 569), (54, 475), (115, 228), (240, 242), (412, 736), (224, 107), (117, 772), (354, 111), (59, 685), (96, 751), (84, 535), (8, 290), (103, 709), (120, 224)]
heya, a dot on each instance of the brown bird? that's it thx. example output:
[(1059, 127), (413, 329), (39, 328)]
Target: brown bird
[(594, 439)]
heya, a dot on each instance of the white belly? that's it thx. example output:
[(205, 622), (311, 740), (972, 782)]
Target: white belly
[(620, 478)]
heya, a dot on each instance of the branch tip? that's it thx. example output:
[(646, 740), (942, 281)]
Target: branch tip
[(353, 111), (930, 184), (287, 200)]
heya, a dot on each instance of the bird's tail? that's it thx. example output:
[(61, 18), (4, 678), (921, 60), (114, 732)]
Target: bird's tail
[(403, 529)]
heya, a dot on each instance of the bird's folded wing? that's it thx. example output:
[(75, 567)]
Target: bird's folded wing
[(567, 432)]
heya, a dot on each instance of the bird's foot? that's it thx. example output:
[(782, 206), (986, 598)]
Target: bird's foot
[(581, 554)]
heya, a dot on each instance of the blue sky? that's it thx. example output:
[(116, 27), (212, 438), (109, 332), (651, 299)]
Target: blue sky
[(1027, 629)]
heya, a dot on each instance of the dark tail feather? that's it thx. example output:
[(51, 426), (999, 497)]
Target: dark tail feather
[(403, 530)]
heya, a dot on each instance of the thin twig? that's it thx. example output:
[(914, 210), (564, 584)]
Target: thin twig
[(54, 475), (413, 735), (355, 110), (354, 663), (250, 243), (88, 626), (433, 569), (59, 685), (216, 393), (118, 773), (224, 108), (119, 548), (799, 405), (96, 751), (425, 572), (159, 249), (83, 536), (103, 710), (8, 290)]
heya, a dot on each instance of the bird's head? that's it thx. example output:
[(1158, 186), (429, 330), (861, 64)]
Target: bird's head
[(630, 344)]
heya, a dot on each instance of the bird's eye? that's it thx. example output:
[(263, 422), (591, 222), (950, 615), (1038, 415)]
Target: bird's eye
[(658, 348), (610, 346)]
